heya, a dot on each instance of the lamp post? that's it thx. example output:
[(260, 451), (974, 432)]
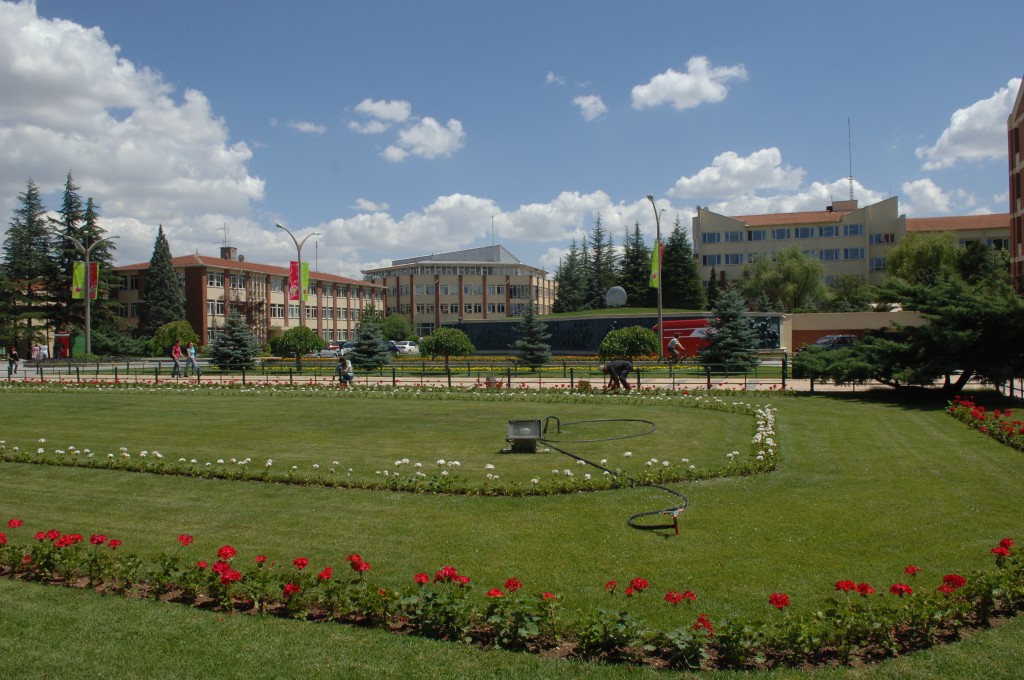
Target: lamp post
[(298, 255), (86, 252), (657, 244)]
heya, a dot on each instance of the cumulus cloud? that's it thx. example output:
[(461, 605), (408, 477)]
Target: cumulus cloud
[(700, 84), (427, 138), (394, 111), (590, 105), (975, 133), (733, 175), (553, 79), (369, 206), (307, 127), (71, 102), (926, 196)]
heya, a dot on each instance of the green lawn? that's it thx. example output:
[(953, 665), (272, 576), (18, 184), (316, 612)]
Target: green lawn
[(866, 486)]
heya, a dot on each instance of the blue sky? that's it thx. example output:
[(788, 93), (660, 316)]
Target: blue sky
[(402, 128)]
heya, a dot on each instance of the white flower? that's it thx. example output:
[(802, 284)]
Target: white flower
[(418, 465), (270, 461), (40, 450), (628, 454), (684, 460), (42, 441), (488, 467), (586, 476), (693, 467), (220, 461), (441, 462), (405, 461), (581, 462), (194, 461), (535, 481), (181, 460), (110, 455), (316, 466), (568, 473), (444, 473), (604, 461), (665, 463), (334, 462)]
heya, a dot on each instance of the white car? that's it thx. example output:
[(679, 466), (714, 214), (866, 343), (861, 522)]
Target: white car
[(407, 347)]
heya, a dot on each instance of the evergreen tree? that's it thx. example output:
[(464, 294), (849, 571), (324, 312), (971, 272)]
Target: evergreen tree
[(369, 348), (601, 266), (162, 299), (234, 348), (532, 345), (635, 270), (28, 262), (66, 254), (713, 289), (103, 309), (732, 341), (571, 281), (682, 287)]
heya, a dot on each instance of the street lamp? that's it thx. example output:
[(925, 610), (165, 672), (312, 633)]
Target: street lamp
[(86, 252), (298, 254), (657, 245)]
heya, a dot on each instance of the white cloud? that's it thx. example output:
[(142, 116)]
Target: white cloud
[(975, 133), (394, 111), (733, 175), (700, 84), (590, 105), (370, 127), (370, 206), (307, 127), (428, 139), (553, 79), (925, 196), (70, 102)]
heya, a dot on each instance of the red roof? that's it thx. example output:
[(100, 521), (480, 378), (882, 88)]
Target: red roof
[(776, 219), (197, 260), (959, 222)]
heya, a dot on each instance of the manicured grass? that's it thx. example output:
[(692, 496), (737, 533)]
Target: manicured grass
[(866, 487)]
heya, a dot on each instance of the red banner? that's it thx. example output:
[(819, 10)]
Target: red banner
[(293, 280)]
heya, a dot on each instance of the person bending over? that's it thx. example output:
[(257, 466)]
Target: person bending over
[(617, 371)]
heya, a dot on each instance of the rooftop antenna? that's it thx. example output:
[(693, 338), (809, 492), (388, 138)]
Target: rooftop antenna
[(849, 146), (492, 230), (225, 230)]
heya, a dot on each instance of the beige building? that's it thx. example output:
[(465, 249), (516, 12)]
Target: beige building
[(213, 285), (479, 283), (992, 230), (1014, 133)]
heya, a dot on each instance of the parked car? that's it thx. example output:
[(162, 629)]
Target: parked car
[(347, 347), (329, 352), (407, 347), (834, 342)]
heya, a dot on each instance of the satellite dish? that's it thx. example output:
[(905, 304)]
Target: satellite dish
[(615, 297)]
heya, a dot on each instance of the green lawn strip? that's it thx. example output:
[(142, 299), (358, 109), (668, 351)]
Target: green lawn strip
[(866, 487)]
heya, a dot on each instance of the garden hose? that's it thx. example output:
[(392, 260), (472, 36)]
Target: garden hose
[(674, 511)]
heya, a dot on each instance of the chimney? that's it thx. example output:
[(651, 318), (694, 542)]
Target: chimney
[(228, 253)]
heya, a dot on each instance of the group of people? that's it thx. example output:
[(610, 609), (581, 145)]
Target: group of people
[(189, 355)]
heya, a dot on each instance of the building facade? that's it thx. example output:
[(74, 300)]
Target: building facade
[(992, 230), (214, 285), (1015, 133), (445, 288)]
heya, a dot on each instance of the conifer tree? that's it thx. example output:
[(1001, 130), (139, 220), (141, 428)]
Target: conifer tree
[(234, 348), (66, 254), (162, 299), (680, 275), (28, 262), (635, 270), (732, 342), (369, 346), (532, 344), (713, 289), (571, 281), (601, 271)]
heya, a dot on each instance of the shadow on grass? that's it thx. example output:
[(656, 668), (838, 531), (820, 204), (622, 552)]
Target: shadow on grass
[(915, 398)]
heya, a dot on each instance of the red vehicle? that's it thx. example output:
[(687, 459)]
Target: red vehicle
[(692, 335)]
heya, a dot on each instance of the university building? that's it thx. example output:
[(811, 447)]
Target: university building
[(845, 238), (1015, 133), (213, 285), (446, 288)]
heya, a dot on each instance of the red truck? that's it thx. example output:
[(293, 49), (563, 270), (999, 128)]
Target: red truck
[(692, 335)]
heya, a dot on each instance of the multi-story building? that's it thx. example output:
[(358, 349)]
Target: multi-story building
[(846, 239), (213, 285), (992, 230), (479, 283), (1015, 133)]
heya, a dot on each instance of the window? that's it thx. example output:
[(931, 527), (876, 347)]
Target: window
[(215, 308), (468, 309), (734, 258), (998, 243), (519, 292), (829, 231), (276, 311), (733, 236), (237, 281), (443, 288), (853, 230), (853, 253), (757, 235), (780, 234), (829, 255), (478, 308), (133, 309), (812, 254), (495, 307), (495, 290), (293, 311), (803, 232), (215, 279), (711, 237), (711, 260), (877, 264), (444, 309), (133, 283), (880, 239)]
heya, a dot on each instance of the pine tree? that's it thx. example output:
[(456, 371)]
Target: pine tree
[(635, 270), (234, 348), (682, 286), (66, 254), (369, 346), (162, 299), (532, 344), (601, 274), (28, 262), (713, 289), (571, 281), (732, 342)]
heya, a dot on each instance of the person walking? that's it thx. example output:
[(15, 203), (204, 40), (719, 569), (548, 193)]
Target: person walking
[(176, 356), (617, 371), (190, 360), (12, 360)]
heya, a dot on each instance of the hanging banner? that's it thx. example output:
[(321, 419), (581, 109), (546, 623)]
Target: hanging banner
[(78, 281), (293, 281), (305, 281), (656, 256)]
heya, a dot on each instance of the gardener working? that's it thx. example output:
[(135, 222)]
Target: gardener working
[(617, 371)]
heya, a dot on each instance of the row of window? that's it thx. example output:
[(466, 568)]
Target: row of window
[(276, 284), (825, 255), (469, 289), (468, 308), (452, 270), (786, 233)]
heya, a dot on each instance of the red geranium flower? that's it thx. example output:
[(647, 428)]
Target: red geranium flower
[(260, 559), (201, 565), (954, 581), (673, 597), (900, 589), (3, 538), (226, 552), (629, 591), (778, 600), (230, 576), (361, 566), (1000, 551), (14, 523), (114, 542), (513, 584), (1006, 543), (446, 573), (301, 562), (289, 590), (495, 592), (689, 595), (639, 584), (97, 539), (185, 540), (53, 534), (459, 579), (865, 589), (325, 574), (911, 570), (704, 622), (611, 586), (846, 586), (354, 558), (421, 579), (548, 596)]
